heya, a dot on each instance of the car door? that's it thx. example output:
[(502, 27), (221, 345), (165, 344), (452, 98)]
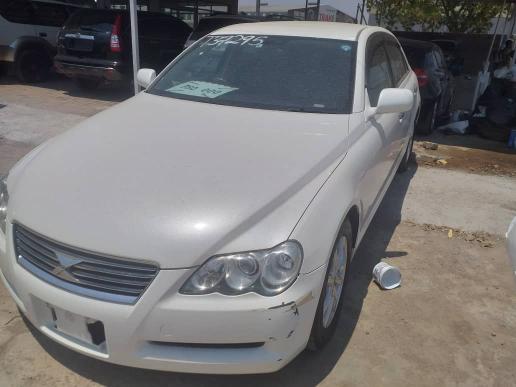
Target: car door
[(383, 130), (400, 73)]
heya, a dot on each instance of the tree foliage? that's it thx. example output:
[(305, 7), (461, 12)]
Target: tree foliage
[(456, 15)]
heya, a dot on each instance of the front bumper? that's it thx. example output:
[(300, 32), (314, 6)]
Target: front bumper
[(168, 331)]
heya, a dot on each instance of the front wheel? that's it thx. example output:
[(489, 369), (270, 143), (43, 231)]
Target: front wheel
[(330, 301)]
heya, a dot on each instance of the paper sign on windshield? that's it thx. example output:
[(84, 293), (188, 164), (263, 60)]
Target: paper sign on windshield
[(201, 89)]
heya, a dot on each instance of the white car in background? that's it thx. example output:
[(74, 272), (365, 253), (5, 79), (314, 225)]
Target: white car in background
[(207, 224), (28, 35), (511, 245)]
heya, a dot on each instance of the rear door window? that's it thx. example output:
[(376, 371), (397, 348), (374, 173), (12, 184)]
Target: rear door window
[(49, 14), (378, 73), (16, 11), (92, 20), (398, 63)]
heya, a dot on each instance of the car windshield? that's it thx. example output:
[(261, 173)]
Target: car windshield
[(265, 72)]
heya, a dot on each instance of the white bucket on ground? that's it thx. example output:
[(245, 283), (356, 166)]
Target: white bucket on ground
[(387, 276)]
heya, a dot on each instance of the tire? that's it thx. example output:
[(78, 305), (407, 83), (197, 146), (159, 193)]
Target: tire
[(406, 157), (3, 69), (429, 119), (33, 65), (327, 317), (88, 84)]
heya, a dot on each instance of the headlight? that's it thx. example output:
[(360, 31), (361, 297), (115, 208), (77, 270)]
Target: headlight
[(4, 198), (266, 272)]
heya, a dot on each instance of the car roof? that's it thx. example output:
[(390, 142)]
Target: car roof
[(328, 30)]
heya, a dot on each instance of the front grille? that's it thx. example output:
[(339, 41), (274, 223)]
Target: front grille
[(88, 274)]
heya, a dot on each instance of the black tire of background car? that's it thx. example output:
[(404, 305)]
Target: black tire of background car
[(428, 120), (88, 84), (320, 335), (33, 65), (3, 69), (406, 157)]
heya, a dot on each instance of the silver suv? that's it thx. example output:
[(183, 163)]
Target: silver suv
[(28, 35)]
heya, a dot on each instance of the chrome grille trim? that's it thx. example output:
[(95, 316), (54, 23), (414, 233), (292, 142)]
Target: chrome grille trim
[(89, 274)]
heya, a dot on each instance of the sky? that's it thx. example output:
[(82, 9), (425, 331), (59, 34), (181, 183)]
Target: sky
[(347, 6)]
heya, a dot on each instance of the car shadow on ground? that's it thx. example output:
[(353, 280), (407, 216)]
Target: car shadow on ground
[(309, 368), (111, 92)]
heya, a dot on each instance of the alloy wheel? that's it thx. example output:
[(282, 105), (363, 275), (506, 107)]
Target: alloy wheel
[(335, 280)]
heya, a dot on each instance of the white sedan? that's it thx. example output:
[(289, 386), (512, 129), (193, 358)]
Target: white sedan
[(207, 224)]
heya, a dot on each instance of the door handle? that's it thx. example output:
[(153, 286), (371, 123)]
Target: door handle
[(43, 34), (401, 116)]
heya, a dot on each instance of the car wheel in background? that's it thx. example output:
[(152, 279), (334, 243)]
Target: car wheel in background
[(3, 69), (33, 65), (428, 120), (330, 301), (88, 83)]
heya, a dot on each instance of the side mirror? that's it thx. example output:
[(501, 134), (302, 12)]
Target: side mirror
[(144, 77), (393, 101)]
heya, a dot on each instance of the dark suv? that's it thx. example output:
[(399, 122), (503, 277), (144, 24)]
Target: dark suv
[(436, 83), (95, 45)]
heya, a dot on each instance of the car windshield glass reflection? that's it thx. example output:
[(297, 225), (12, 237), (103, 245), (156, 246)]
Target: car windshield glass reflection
[(267, 72)]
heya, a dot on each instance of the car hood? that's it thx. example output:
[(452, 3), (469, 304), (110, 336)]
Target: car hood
[(175, 181)]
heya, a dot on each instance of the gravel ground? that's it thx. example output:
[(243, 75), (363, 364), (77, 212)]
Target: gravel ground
[(452, 322)]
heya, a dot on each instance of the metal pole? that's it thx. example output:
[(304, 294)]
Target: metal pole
[(317, 12), (306, 10), (258, 8), (513, 17), (134, 41), (488, 60), (503, 31), (196, 13)]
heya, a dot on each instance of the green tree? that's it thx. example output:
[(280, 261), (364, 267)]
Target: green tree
[(457, 15)]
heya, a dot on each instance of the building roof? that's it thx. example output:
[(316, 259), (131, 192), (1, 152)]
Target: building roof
[(343, 31)]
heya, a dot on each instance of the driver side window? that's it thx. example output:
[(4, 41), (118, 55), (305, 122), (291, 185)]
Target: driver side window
[(378, 72)]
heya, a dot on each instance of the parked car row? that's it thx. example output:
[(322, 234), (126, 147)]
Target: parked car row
[(92, 45)]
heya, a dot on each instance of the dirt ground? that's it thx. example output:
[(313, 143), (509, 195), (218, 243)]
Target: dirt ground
[(471, 154), (451, 323)]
